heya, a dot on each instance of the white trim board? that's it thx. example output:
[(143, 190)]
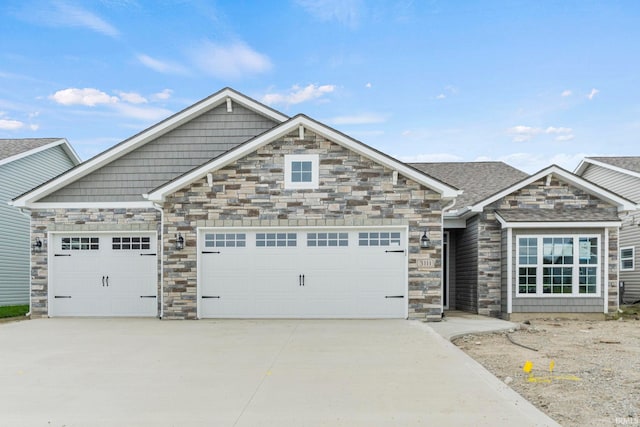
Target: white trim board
[(144, 137), (65, 146), (582, 167), (158, 195)]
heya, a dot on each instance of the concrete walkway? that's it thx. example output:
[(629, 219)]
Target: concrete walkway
[(145, 372), (458, 323)]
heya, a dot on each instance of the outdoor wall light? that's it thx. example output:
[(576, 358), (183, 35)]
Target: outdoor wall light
[(37, 245), (179, 242), (425, 243)]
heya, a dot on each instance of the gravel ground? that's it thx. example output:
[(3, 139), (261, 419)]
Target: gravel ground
[(604, 355)]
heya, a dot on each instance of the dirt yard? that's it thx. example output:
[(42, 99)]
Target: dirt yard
[(596, 377)]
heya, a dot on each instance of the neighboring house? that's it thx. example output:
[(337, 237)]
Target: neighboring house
[(621, 175), (232, 209), (24, 164), (520, 245)]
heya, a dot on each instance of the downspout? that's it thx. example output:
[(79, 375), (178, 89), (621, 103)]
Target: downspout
[(158, 207), (444, 210), (27, 213)]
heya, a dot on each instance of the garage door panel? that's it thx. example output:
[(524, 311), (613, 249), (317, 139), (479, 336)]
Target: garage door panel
[(312, 273)]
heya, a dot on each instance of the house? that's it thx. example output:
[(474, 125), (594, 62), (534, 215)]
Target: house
[(621, 175), (520, 246), (232, 209), (24, 164)]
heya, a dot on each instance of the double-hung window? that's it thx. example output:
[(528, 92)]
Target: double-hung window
[(558, 265), (627, 259)]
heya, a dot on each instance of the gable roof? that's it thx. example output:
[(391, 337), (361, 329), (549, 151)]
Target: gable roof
[(14, 149), (227, 95), (477, 180), (629, 165), (295, 123), (575, 180)]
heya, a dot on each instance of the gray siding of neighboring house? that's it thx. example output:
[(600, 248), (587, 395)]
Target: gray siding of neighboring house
[(629, 187), (466, 275), (504, 298), (526, 304), (18, 177), (170, 155)]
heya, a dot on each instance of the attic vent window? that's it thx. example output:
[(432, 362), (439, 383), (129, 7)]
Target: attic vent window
[(301, 171)]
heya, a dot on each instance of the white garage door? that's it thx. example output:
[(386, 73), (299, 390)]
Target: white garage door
[(359, 273), (103, 275)]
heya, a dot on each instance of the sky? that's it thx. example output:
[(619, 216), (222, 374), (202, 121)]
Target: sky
[(530, 83)]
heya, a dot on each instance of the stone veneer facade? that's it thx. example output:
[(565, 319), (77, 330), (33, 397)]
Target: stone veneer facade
[(537, 195), (75, 221), (353, 191)]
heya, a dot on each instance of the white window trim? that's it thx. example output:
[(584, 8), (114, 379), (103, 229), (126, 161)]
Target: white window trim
[(633, 258), (315, 173), (576, 267)]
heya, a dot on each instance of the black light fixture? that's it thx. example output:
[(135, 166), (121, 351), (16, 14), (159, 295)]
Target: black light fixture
[(179, 242), (424, 241), (37, 244)]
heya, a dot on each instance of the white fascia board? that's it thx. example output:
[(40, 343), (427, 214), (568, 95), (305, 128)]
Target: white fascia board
[(65, 145), (144, 137), (90, 205), (584, 163), (249, 147), (557, 224), (622, 203)]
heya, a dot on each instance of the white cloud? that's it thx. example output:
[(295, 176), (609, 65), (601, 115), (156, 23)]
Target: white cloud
[(297, 94), (368, 85), (527, 133), (6, 124), (231, 61), (346, 12), (150, 114), (593, 93), (161, 66), (163, 95), (87, 96), (132, 97), (431, 158), (360, 119), (566, 93), (66, 15), (441, 96), (34, 127)]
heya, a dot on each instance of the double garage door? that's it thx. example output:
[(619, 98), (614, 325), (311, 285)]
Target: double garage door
[(323, 273), (103, 275)]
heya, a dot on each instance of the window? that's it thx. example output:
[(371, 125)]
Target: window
[(301, 171), (225, 240), (130, 243), (376, 238), (271, 240), (558, 265), (80, 243), (327, 239), (627, 259)]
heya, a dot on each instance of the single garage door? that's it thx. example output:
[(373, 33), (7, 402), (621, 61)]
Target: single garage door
[(103, 275), (303, 273)]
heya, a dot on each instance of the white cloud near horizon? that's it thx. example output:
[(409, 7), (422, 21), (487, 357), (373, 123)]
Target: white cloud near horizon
[(163, 95), (164, 67), (522, 133), (346, 12), (132, 97), (64, 14), (89, 97), (230, 61), (297, 94), (7, 124), (359, 119)]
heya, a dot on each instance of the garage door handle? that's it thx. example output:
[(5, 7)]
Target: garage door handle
[(62, 296), (147, 296), (211, 296), (394, 296), (62, 255), (102, 280), (107, 281), (210, 252), (301, 280), (395, 251), (147, 254)]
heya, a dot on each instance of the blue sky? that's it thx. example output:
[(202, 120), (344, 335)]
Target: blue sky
[(526, 82)]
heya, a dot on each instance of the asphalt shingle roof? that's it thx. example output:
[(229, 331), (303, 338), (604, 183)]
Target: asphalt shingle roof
[(478, 180), (585, 214), (629, 163), (12, 147)]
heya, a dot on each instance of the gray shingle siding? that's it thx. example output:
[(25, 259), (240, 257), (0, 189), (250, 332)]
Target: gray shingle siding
[(16, 178), (620, 183), (167, 157), (466, 276), (630, 237)]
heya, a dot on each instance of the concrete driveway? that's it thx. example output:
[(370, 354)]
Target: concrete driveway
[(144, 372)]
